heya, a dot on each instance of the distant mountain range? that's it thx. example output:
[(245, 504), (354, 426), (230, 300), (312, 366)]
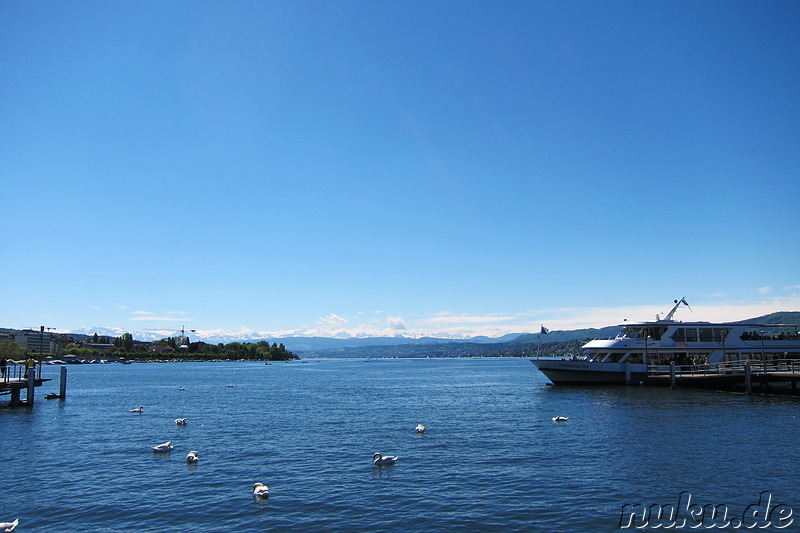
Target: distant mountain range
[(293, 343), (407, 346)]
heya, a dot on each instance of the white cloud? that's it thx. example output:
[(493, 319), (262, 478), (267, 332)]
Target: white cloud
[(457, 326), (332, 321), (139, 316), (764, 290), (731, 311), (468, 319), (395, 322), (158, 318)]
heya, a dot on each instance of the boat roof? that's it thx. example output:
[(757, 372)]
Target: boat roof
[(707, 324)]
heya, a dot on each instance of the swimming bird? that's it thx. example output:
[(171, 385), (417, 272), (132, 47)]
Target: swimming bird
[(8, 527), (380, 460), (163, 448), (420, 428), (260, 491), (192, 457), (181, 421), (560, 418), (139, 409)]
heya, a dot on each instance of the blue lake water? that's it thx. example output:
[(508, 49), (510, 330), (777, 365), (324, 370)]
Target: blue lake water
[(491, 460)]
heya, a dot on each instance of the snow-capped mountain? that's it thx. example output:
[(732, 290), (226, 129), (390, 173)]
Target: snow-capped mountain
[(291, 342)]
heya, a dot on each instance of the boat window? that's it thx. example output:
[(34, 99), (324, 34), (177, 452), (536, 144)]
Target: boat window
[(691, 335), (632, 333), (615, 357), (706, 334), (696, 358), (732, 356), (599, 357), (654, 332), (662, 358), (679, 335), (634, 358), (720, 333)]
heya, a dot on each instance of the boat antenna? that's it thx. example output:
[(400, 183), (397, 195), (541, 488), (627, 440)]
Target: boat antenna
[(678, 303)]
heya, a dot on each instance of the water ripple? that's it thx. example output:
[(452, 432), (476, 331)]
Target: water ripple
[(490, 460)]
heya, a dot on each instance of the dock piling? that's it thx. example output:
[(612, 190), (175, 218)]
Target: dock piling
[(672, 379), (748, 383), (15, 397), (31, 386), (62, 384)]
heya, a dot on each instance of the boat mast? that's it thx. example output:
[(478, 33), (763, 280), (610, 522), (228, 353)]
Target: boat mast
[(678, 303)]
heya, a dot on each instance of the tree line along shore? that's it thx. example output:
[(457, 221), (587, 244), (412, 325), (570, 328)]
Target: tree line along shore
[(124, 348)]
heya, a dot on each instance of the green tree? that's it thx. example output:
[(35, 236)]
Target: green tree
[(124, 342), (12, 350)]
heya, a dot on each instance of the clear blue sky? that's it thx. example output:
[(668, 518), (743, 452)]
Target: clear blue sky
[(396, 167)]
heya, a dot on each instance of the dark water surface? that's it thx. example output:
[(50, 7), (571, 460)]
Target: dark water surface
[(491, 460)]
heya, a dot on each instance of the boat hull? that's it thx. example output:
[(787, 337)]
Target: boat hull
[(562, 372)]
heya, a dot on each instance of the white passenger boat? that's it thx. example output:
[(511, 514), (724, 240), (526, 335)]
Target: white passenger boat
[(648, 348)]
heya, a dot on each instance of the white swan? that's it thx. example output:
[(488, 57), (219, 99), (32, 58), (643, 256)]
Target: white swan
[(420, 428), (380, 460), (162, 448), (181, 421), (139, 409), (260, 491), (192, 457), (560, 418), (8, 527)]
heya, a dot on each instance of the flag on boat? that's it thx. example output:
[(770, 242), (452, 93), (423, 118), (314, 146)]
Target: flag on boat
[(544, 331)]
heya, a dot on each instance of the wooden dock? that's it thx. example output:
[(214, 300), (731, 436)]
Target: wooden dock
[(18, 378), (772, 377)]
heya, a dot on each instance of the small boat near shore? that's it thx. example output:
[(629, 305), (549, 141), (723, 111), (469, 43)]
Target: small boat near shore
[(643, 349)]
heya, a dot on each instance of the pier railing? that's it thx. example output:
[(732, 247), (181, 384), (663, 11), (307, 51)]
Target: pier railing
[(728, 368), (18, 371)]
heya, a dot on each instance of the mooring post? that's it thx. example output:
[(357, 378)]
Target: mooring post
[(748, 385), (15, 394), (31, 385), (672, 379), (62, 382)]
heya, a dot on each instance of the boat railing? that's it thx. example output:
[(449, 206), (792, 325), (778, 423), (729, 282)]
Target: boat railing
[(767, 365), (658, 370), (729, 367)]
